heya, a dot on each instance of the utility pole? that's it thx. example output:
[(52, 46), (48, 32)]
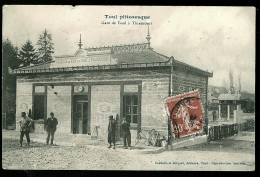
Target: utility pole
[(169, 116)]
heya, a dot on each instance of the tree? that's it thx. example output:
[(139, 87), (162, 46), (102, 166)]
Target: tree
[(9, 59), (45, 47), (239, 83), (231, 84), (27, 54), (10, 55)]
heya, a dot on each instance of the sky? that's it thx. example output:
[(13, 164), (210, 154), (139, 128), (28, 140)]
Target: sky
[(217, 39)]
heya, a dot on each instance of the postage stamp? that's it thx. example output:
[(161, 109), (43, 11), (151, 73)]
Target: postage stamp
[(186, 112)]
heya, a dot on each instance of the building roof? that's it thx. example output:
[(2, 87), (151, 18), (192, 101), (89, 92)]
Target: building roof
[(229, 96), (116, 57), (37, 66), (139, 57)]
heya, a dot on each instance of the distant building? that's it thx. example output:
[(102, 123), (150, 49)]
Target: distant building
[(83, 89), (229, 102)]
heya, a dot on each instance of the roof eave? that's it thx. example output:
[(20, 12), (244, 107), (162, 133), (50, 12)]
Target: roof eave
[(92, 68), (191, 68)]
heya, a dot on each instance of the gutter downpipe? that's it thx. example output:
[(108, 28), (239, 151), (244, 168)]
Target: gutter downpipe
[(169, 119)]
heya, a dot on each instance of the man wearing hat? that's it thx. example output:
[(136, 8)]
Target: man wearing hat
[(111, 131), (25, 124), (125, 126), (51, 126)]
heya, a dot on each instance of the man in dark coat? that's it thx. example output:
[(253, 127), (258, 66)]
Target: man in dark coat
[(125, 126), (51, 126), (25, 124), (111, 131)]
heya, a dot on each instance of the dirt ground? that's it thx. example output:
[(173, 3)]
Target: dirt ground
[(234, 153)]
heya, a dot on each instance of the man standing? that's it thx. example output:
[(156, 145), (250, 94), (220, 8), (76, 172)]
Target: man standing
[(111, 131), (125, 126), (25, 124), (51, 124)]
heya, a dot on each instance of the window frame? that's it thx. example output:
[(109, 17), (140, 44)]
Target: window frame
[(132, 105), (44, 94)]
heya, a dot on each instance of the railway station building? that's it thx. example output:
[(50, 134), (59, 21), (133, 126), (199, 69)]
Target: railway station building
[(84, 88)]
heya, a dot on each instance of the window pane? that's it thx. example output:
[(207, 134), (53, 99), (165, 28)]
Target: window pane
[(135, 119), (135, 100), (38, 107), (135, 109), (128, 100), (128, 109), (128, 118), (79, 111)]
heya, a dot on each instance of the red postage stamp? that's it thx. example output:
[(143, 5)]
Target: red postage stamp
[(186, 112)]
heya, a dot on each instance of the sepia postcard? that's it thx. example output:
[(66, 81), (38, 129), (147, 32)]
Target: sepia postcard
[(128, 88)]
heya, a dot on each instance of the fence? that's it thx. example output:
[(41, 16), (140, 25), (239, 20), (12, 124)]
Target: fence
[(223, 131)]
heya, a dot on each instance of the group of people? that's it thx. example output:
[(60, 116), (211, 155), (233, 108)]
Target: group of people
[(125, 127), (51, 126), (26, 122)]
